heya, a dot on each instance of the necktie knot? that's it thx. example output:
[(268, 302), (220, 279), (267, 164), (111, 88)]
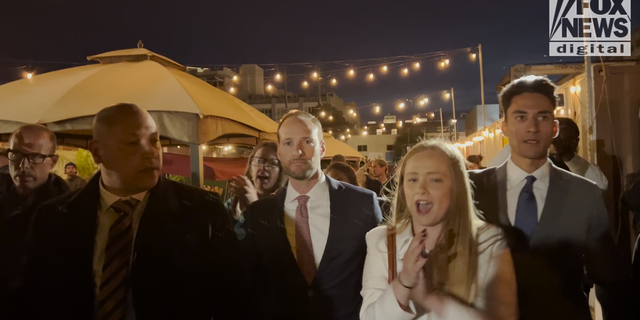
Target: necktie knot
[(125, 206), (529, 185), (302, 200)]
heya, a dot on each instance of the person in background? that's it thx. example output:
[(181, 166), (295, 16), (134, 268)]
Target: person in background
[(451, 264), (29, 183), (378, 178), (555, 221), (338, 158), (476, 159), (342, 172), (262, 177), (73, 181), (363, 172), (4, 162), (132, 244), (305, 250), (565, 145)]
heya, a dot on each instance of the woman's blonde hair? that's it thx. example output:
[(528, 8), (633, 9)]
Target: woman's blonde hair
[(453, 264)]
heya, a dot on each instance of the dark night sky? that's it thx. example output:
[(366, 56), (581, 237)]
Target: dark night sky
[(235, 32)]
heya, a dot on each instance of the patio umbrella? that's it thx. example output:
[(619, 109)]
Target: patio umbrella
[(186, 108), (335, 146)]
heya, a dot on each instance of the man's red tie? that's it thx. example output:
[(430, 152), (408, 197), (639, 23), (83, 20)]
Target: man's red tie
[(114, 285), (304, 247)]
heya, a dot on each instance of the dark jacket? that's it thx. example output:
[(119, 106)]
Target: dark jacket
[(571, 246), (16, 213), (183, 263), (279, 288)]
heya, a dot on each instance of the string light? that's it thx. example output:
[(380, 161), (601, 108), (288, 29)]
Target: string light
[(348, 130), (485, 133), (351, 111), (400, 123), (406, 70), (382, 125), (342, 137), (473, 56), (322, 114), (432, 115), (572, 89), (305, 84), (354, 114), (422, 102), (478, 138), (446, 61), (377, 109), (364, 133), (334, 81), (401, 105), (442, 64), (204, 147), (232, 89), (315, 75), (426, 100), (371, 76), (352, 72), (278, 76), (330, 118), (498, 131), (491, 135), (29, 75), (447, 95), (417, 65), (235, 78), (269, 87), (366, 127), (330, 132), (349, 135), (385, 68)]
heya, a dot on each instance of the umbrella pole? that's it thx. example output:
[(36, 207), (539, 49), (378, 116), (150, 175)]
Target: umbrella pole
[(196, 162)]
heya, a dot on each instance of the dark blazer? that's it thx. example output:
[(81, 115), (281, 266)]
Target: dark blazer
[(16, 213), (280, 290), (572, 236), (183, 263)]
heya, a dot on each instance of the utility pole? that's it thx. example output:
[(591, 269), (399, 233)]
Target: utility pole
[(286, 95), (441, 125), (481, 85), (455, 122)]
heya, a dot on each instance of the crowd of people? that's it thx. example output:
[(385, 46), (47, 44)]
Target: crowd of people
[(521, 240)]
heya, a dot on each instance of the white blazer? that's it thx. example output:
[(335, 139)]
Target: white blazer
[(496, 280)]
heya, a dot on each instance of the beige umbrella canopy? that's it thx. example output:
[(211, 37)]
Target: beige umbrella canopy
[(335, 146), (186, 108)]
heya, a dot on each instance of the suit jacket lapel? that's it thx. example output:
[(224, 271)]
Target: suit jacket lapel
[(501, 179), (337, 200), (556, 193)]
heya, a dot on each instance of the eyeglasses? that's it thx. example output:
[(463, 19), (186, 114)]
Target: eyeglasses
[(269, 163), (33, 158)]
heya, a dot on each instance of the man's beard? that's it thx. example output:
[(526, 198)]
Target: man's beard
[(300, 174)]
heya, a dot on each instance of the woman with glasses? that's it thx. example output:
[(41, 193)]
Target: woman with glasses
[(262, 177), (435, 259)]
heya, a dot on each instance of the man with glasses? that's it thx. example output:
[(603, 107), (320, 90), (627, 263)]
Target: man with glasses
[(31, 155)]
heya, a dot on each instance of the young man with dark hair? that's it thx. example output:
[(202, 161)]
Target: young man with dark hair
[(73, 181), (555, 222)]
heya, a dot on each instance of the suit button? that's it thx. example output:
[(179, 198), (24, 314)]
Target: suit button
[(310, 293)]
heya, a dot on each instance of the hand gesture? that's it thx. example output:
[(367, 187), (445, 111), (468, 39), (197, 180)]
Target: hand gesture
[(414, 259), (244, 189)]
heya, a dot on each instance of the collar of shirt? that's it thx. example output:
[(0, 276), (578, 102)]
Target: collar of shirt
[(107, 198), (515, 175), (292, 194)]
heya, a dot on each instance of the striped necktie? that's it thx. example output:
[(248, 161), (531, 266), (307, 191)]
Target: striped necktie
[(117, 258)]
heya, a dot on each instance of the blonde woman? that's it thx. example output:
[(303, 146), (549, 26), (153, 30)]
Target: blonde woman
[(451, 264)]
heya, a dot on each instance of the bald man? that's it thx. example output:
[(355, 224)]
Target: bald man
[(31, 156), (132, 244)]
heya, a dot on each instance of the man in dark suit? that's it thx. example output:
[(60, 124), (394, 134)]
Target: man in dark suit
[(131, 244), (29, 182), (306, 244), (556, 223)]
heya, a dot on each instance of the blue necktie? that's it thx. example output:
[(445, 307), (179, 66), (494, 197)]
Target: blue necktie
[(527, 209)]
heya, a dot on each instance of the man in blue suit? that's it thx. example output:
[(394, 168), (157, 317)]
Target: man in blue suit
[(305, 245)]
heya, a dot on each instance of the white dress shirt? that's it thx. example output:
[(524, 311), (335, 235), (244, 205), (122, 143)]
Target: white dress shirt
[(319, 208), (106, 218), (584, 168), (516, 180), (496, 279)]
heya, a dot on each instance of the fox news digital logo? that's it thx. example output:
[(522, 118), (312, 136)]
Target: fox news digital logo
[(590, 28)]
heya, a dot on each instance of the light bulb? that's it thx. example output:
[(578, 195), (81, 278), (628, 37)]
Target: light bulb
[(572, 89), (278, 76), (322, 114), (401, 105), (330, 117), (364, 133), (269, 87), (385, 68), (485, 133), (417, 64), (446, 61), (235, 78), (406, 70), (352, 72), (334, 81), (305, 84), (315, 74), (371, 76), (232, 89), (442, 64), (29, 75)]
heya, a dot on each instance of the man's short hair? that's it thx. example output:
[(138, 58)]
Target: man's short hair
[(338, 158), (568, 125), (50, 135), (528, 84), (302, 116)]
